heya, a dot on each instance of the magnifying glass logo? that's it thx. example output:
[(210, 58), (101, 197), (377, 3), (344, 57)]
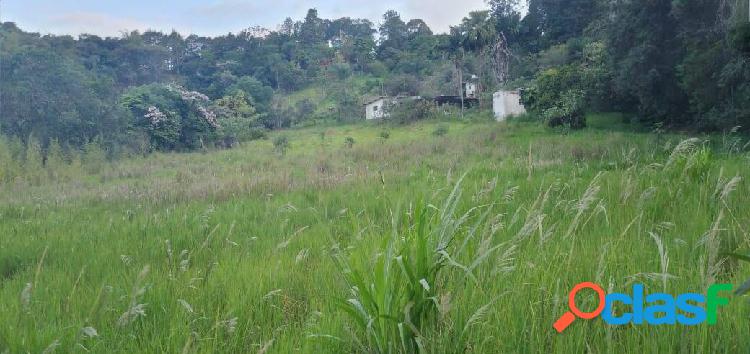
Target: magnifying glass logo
[(565, 320)]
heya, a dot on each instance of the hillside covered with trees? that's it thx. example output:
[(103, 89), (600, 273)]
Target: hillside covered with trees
[(678, 64)]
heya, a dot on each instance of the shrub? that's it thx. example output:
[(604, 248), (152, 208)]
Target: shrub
[(558, 95), (567, 112), (440, 130), (94, 157), (411, 111), (257, 133), (384, 135), (349, 142), (238, 119), (281, 144)]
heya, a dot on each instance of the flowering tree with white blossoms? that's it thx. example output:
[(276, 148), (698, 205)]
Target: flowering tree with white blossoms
[(173, 118)]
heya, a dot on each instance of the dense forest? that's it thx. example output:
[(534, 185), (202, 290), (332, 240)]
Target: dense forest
[(679, 64)]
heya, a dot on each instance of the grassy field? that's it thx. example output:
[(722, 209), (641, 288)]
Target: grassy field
[(467, 241)]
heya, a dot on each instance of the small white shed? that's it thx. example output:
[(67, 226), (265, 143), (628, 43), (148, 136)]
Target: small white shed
[(507, 103), (375, 108)]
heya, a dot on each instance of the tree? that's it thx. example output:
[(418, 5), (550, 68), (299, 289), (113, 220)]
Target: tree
[(467, 36), (550, 22), (393, 35), (140, 59), (642, 40), (54, 96), (507, 17), (173, 117), (353, 38), (417, 28), (556, 95), (347, 103), (260, 94), (475, 32), (237, 118), (312, 30)]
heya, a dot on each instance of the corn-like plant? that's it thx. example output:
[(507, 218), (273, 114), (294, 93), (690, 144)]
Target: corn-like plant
[(393, 301)]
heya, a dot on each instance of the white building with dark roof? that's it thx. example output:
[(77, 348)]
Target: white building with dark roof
[(377, 107)]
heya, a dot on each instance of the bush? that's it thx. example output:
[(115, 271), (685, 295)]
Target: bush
[(349, 142), (94, 157), (257, 133), (384, 135), (281, 144), (411, 111), (238, 119), (440, 130), (567, 112), (557, 97)]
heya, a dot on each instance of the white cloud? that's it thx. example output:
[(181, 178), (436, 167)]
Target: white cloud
[(441, 14), (219, 17), (93, 22)]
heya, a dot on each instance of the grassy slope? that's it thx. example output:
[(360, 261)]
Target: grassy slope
[(249, 235)]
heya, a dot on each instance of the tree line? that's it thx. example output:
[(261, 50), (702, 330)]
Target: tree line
[(681, 64), (158, 91)]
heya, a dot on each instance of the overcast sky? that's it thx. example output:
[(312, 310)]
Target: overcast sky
[(213, 17)]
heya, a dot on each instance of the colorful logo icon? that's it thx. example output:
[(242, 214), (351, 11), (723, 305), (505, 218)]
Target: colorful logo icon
[(687, 309)]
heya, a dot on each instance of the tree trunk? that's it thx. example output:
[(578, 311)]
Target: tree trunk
[(459, 67)]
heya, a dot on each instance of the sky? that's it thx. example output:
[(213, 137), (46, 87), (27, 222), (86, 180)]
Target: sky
[(213, 17)]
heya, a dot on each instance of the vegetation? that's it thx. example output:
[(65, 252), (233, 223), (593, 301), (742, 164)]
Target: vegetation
[(465, 242), (349, 142), (162, 193), (440, 130), (668, 62), (385, 134), (281, 144), (680, 64)]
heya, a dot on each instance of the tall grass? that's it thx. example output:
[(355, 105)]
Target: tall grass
[(389, 248)]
